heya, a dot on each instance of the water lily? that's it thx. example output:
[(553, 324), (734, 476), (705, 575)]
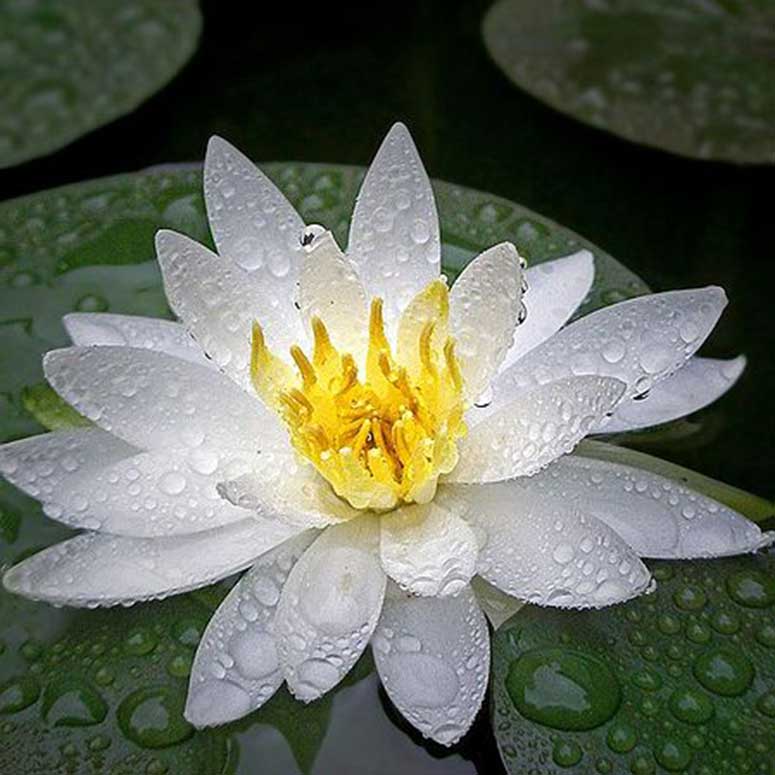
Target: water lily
[(387, 455)]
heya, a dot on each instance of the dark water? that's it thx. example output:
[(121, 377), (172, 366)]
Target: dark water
[(293, 83)]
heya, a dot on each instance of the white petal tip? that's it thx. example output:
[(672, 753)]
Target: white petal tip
[(767, 540), (214, 703)]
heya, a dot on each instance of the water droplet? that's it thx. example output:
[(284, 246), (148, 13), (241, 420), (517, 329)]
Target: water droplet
[(689, 598), (70, 702), (674, 755), (621, 738), (727, 673), (140, 642), (563, 689), (766, 704), (566, 753), (18, 693), (751, 589), (153, 718), (690, 706)]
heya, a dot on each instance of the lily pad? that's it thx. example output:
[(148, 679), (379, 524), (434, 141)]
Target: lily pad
[(682, 680), (694, 77), (69, 66), (89, 246)]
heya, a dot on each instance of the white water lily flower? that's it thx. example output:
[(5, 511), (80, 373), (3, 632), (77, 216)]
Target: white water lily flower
[(415, 441)]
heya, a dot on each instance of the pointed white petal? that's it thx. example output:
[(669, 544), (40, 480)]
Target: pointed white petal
[(41, 465), (236, 668), (427, 550), (394, 234), (98, 569), (251, 220), (433, 658), (218, 302), (329, 608), (484, 309), (330, 289), (656, 516), (534, 429), (103, 328), (699, 383), (155, 401), (640, 342), (498, 607), (163, 493), (555, 289), (547, 552)]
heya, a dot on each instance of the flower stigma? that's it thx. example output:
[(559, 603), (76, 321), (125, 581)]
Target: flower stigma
[(384, 440)]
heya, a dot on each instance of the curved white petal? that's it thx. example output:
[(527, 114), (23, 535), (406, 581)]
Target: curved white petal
[(656, 516), (103, 328), (330, 289), (394, 237), (546, 551), (155, 401), (699, 383), (236, 668), (497, 606), (534, 429), (640, 342), (42, 465), (329, 608), (218, 302), (98, 569), (555, 290), (251, 220), (433, 658), (283, 488), (427, 550), (484, 309), (161, 493)]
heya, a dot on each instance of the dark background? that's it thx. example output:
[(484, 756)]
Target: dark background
[(295, 83)]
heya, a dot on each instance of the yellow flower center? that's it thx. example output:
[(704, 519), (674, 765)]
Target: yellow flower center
[(386, 439)]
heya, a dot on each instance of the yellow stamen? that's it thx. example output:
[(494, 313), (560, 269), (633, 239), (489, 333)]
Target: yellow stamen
[(388, 438)]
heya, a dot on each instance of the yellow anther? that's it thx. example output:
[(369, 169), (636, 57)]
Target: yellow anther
[(306, 369), (385, 439)]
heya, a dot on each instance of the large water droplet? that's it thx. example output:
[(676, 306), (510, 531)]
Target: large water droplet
[(153, 718), (727, 673), (690, 706), (18, 693), (563, 689), (751, 589), (70, 702)]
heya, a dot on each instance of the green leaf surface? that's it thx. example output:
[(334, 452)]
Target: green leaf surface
[(682, 680), (50, 410), (69, 66), (689, 76), (752, 506)]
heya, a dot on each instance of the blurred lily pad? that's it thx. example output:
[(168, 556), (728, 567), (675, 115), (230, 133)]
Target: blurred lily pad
[(682, 680), (69, 66), (82, 691), (694, 77)]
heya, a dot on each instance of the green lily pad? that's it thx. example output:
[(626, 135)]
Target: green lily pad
[(89, 247), (690, 77), (682, 680), (69, 66)]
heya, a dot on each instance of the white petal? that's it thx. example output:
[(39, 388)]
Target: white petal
[(218, 302), (498, 607), (251, 220), (433, 658), (546, 551), (656, 516), (555, 289), (534, 429), (155, 401), (42, 465), (699, 383), (163, 493), (103, 328), (290, 490), (98, 569), (394, 237), (236, 668), (484, 308), (427, 550), (329, 608), (329, 288), (639, 341)]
